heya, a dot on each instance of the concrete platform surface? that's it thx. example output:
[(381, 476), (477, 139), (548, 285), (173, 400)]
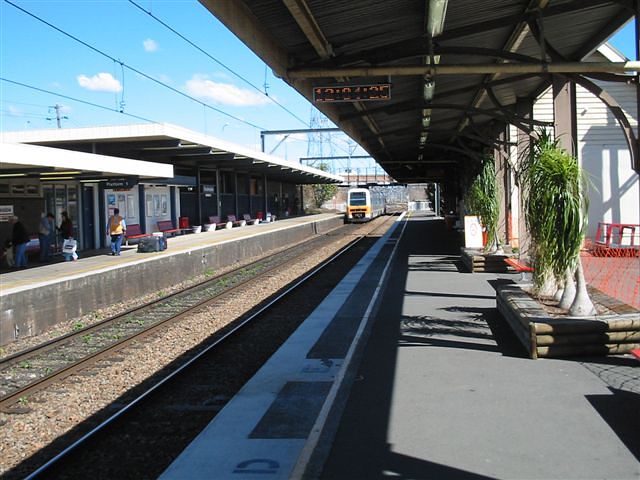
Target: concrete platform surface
[(37, 298), (272, 426), (445, 391), (434, 385)]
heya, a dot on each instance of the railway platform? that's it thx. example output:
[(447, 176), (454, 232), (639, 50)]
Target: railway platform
[(407, 370), (36, 298)]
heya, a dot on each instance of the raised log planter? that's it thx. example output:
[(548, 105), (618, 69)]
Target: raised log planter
[(544, 335), (477, 261)]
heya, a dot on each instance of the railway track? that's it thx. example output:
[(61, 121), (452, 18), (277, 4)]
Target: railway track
[(31, 370), (184, 400), (252, 353)]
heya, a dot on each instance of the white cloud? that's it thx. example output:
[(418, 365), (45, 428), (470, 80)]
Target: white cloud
[(223, 93), (101, 82), (13, 111), (164, 78), (150, 45)]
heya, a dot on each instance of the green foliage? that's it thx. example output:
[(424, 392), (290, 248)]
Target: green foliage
[(556, 209), (323, 192), (481, 199)]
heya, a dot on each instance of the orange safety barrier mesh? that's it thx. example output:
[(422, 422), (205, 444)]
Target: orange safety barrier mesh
[(615, 240), (613, 271)]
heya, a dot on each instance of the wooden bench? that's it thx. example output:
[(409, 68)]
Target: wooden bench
[(166, 227), (249, 220), (215, 222), (235, 222), (519, 266), (133, 232)]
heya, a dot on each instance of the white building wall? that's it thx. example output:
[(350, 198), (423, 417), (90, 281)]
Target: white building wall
[(614, 193)]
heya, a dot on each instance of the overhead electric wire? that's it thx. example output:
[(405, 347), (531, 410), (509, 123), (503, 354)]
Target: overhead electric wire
[(149, 77), (76, 99), (8, 113), (4, 100), (123, 64), (201, 50)]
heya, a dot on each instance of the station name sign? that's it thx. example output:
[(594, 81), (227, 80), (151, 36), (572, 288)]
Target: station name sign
[(352, 93), (124, 183)]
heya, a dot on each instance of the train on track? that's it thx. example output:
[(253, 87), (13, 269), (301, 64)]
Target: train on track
[(364, 204)]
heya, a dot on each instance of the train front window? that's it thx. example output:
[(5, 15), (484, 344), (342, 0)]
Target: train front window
[(357, 199)]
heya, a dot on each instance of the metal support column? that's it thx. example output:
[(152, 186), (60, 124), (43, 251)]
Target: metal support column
[(218, 202), (142, 208), (235, 194), (103, 218), (175, 215), (198, 196)]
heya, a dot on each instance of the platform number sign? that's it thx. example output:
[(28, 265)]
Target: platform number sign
[(352, 93)]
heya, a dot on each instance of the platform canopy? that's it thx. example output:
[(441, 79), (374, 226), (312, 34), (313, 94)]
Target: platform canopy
[(168, 145), (421, 84), (21, 160)]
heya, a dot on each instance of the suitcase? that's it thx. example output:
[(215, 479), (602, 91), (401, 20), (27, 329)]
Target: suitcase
[(152, 244)]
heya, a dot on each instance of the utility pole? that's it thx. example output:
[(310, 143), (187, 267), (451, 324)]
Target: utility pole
[(57, 108)]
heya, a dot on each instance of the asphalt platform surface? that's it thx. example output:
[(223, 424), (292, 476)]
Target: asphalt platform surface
[(444, 390)]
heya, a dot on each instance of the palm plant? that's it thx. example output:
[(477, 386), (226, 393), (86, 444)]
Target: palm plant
[(481, 199), (556, 211)]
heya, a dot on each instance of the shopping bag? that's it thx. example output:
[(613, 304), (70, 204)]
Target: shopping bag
[(69, 246)]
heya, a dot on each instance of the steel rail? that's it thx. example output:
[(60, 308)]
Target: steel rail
[(105, 351), (216, 343)]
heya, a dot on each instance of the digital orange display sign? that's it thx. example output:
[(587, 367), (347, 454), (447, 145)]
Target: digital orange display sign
[(352, 93)]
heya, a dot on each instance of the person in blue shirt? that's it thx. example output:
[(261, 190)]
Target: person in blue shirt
[(46, 234)]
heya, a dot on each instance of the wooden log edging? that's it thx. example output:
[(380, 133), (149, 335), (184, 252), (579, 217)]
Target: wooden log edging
[(476, 261), (544, 335)]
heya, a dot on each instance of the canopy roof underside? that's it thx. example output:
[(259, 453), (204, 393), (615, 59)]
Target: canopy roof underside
[(312, 43)]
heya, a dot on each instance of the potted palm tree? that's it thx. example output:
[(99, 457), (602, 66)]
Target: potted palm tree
[(556, 216), (481, 199)]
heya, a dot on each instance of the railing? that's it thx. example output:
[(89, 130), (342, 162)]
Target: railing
[(616, 240)]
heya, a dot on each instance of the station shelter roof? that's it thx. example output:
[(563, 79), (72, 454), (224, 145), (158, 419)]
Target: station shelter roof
[(22, 160), (160, 143), (451, 71)]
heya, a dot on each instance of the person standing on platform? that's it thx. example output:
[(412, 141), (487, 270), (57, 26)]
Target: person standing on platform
[(66, 232), (45, 235), (19, 238), (117, 228), (66, 227)]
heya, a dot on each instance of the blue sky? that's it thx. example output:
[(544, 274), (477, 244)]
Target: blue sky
[(37, 55)]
